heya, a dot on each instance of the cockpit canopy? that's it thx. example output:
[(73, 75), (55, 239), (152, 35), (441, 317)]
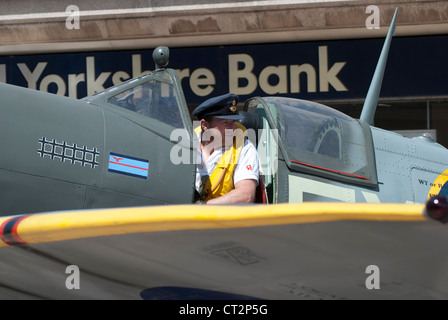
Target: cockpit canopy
[(320, 139), (153, 99)]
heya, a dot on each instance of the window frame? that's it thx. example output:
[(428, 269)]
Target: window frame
[(369, 180), (168, 76)]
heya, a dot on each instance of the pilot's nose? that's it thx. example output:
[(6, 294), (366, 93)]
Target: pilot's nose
[(230, 129)]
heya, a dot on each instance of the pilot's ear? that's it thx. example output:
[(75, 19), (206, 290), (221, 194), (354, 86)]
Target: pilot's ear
[(204, 125)]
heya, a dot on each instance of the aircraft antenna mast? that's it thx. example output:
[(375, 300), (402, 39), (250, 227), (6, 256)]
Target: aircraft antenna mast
[(371, 102)]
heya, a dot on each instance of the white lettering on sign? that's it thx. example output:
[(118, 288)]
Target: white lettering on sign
[(329, 76), (202, 81), (32, 76), (94, 83), (296, 71), (137, 66), (243, 80), (56, 80), (73, 81), (245, 73), (280, 73)]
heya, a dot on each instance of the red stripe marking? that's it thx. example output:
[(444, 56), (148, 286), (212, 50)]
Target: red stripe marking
[(12, 238), (14, 230), (127, 165), (1, 229), (326, 169)]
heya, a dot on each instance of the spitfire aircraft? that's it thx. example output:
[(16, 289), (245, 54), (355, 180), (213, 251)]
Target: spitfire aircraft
[(115, 149)]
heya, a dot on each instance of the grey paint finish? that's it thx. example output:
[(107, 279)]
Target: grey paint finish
[(316, 261), (57, 152)]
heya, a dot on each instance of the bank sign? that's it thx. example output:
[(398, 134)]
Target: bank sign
[(327, 70)]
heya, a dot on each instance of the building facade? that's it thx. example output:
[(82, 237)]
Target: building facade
[(324, 51)]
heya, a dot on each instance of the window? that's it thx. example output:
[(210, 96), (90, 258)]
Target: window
[(153, 99), (320, 138)]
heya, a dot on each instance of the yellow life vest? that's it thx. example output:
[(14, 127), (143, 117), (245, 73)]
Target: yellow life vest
[(220, 181)]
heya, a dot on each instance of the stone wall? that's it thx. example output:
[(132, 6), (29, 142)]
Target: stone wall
[(41, 27)]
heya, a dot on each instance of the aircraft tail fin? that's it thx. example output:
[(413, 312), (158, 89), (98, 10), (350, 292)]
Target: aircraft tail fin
[(371, 102)]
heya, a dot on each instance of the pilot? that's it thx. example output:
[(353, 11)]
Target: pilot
[(227, 163)]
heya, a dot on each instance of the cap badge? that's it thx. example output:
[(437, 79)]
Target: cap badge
[(233, 107)]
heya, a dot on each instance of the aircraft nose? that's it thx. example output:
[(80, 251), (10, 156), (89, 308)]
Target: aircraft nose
[(437, 208)]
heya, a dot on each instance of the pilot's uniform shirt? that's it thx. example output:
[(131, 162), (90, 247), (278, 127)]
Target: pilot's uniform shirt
[(247, 167)]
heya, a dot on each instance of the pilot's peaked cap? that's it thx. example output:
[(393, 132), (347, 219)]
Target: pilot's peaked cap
[(223, 107)]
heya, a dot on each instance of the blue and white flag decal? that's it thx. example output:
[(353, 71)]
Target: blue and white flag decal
[(127, 165)]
